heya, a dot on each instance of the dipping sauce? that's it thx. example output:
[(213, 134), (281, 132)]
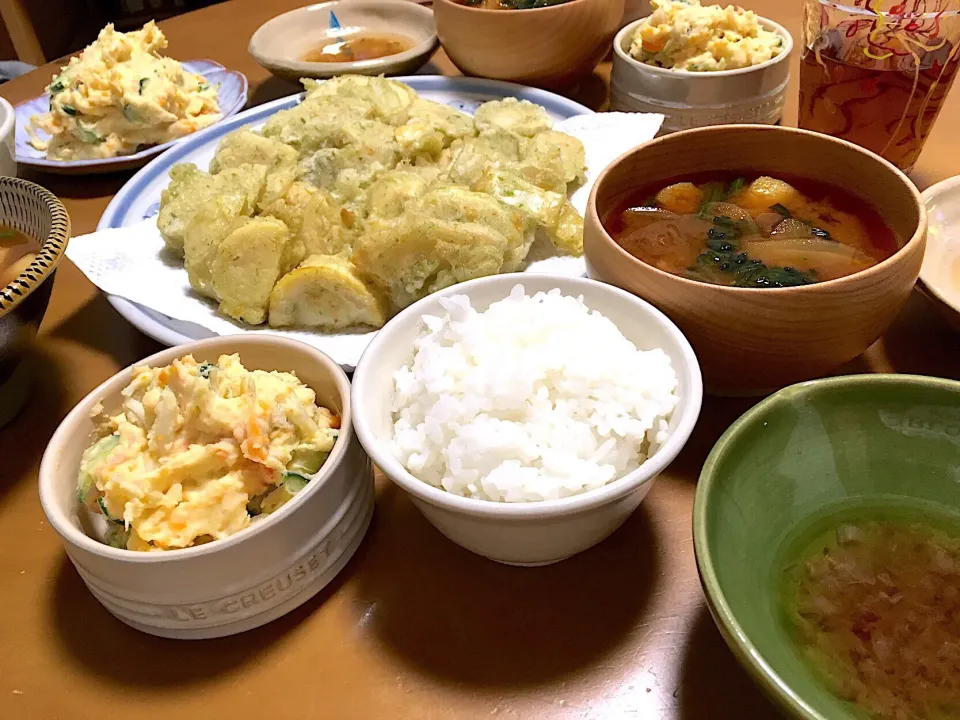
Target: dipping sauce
[(510, 4), (362, 46), (17, 251), (874, 606), (754, 234)]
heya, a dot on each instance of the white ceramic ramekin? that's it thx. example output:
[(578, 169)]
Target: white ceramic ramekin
[(250, 578), (698, 99), (535, 533)]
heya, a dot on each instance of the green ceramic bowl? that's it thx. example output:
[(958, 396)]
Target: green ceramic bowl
[(862, 445)]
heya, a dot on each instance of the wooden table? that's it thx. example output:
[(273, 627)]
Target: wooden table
[(414, 627)]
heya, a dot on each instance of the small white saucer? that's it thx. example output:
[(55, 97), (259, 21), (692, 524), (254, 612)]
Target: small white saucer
[(940, 273), (280, 44)]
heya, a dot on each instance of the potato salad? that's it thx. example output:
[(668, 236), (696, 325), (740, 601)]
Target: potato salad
[(200, 450), (119, 95), (685, 35)]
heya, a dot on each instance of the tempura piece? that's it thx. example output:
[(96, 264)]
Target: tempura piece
[(316, 123), (552, 212), (451, 122), (390, 100), (326, 292), (474, 156), (246, 266), (245, 147), (425, 255), (567, 234), (178, 202), (314, 219), (358, 155), (519, 116), (210, 225), (541, 206), (417, 139), (393, 193), (563, 154), (430, 128), (546, 176), (190, 188), (460, 205)]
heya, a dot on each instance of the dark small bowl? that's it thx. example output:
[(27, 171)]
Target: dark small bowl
[(38, 213)]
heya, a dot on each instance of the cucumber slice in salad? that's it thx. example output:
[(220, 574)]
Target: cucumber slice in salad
[(106, 513), (306, 462), (279, 496), (276, 499), (300, 470), (117, 537), (88, 135), (294, 483), (93, 456)]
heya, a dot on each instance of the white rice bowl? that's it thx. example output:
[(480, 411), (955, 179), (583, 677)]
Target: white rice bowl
[(536, 398)]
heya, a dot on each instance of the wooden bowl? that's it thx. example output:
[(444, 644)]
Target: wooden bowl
[(549, 47), (36, 212), (751, 341)]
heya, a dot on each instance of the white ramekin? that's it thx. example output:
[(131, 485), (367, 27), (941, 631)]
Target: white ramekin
[(698, 99), (250, 578), (536, 533)]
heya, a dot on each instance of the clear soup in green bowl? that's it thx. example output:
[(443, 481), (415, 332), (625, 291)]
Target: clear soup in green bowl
[(810, 457)]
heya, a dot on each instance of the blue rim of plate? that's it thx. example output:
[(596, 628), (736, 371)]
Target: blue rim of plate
[(232, 100), (157, 325)]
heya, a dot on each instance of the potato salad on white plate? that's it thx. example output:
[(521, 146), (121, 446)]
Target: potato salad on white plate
[(198, 451), (120, 95)]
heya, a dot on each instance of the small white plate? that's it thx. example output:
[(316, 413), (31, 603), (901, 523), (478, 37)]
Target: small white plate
[(231, 94), (940, 273), (280, 44)]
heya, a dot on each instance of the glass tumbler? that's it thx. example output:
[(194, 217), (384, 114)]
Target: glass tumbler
[(876, 72)]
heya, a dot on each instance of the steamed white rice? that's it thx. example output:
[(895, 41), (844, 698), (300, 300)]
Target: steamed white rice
[(536, 398)]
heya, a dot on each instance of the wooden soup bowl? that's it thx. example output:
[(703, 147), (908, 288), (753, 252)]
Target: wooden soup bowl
[(549, 47), (751, 341)]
